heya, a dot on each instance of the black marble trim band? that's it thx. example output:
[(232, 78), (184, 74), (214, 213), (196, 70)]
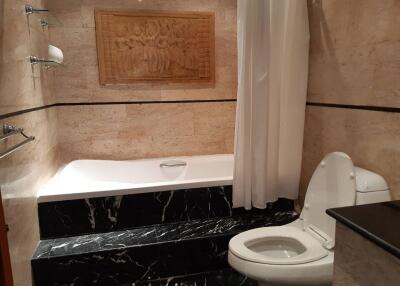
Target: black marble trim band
[(359, 107), (146, 102), (309, 103), (23, 111)]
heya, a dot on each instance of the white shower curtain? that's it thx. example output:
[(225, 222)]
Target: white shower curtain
[(273, 43)]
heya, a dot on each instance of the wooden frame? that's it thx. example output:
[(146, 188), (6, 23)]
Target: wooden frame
[(154, 47), (5, 263)]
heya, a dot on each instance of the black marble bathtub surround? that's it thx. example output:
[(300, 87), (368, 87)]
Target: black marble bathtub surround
[(148, 253), (96, 215), (146, 239), (113, 213)]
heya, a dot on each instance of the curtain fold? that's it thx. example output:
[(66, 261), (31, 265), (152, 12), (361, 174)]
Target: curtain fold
[(273, 44)]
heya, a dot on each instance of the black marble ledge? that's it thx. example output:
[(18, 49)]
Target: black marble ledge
[(129, 265), (378, 222), (197, 229)]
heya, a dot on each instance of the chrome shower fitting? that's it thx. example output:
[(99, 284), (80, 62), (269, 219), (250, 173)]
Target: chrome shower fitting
[(30, 10)]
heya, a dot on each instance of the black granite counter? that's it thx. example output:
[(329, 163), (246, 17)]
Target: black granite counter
[(379, 223)]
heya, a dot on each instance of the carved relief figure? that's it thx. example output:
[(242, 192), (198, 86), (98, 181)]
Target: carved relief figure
[(157, 47)]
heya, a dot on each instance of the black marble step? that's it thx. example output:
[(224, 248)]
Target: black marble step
[(143, 254), (222, 277)]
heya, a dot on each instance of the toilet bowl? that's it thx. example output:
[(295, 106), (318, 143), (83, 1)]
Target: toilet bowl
[(281, 255), (301, 253)]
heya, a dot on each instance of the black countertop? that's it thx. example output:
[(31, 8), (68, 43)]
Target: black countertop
[(379, 223)]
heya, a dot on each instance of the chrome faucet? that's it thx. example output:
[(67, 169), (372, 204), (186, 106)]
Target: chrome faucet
[(173, 163)]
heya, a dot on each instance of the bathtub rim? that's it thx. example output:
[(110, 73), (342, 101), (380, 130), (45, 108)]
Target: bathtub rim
[(43, 195)]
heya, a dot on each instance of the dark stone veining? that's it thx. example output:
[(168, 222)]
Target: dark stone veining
[(158, 234), (96, 215), (127, 265), (216, 278), (165, 238), (149, 253)]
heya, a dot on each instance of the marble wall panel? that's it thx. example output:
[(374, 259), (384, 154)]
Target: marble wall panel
[(79, 80), (133, 131), (370, 138), (354, 52), (21, 85), (354, 60), (24, 172)]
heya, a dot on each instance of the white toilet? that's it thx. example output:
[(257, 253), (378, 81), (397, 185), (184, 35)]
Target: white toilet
[(301, 253)]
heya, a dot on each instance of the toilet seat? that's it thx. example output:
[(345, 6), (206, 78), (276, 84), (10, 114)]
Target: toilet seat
[(304, 247)]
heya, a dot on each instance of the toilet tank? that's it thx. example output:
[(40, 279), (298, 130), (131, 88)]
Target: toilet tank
[(370, 187)]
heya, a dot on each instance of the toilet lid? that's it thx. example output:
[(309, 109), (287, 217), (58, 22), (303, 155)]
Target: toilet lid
[(331, 186), (281, 245)]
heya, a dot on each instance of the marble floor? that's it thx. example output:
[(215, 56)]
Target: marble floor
[(223, 277)]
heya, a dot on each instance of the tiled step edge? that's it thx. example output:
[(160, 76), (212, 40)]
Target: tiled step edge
[(143, 254), (93, 243)]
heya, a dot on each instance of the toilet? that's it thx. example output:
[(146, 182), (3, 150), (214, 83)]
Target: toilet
[(301, 252)]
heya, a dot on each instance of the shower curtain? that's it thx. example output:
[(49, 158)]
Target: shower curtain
[(273, 43)]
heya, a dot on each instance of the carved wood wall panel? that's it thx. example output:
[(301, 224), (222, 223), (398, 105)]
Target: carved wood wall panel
[(155, 47)]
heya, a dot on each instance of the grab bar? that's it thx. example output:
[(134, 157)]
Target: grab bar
[(173, 164), (8, 131)]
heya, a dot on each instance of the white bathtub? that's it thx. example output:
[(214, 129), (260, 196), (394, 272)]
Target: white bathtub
[(99, 178)]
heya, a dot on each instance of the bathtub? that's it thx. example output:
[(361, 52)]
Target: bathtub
[(83, 179)]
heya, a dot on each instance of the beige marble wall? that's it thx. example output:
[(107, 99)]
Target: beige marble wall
[(25, 171), (354, 52), (21, 175), (358, 261), (354, 59), (78, 81), (143, 131), (372, 140), (22, 36), (137, 131)]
